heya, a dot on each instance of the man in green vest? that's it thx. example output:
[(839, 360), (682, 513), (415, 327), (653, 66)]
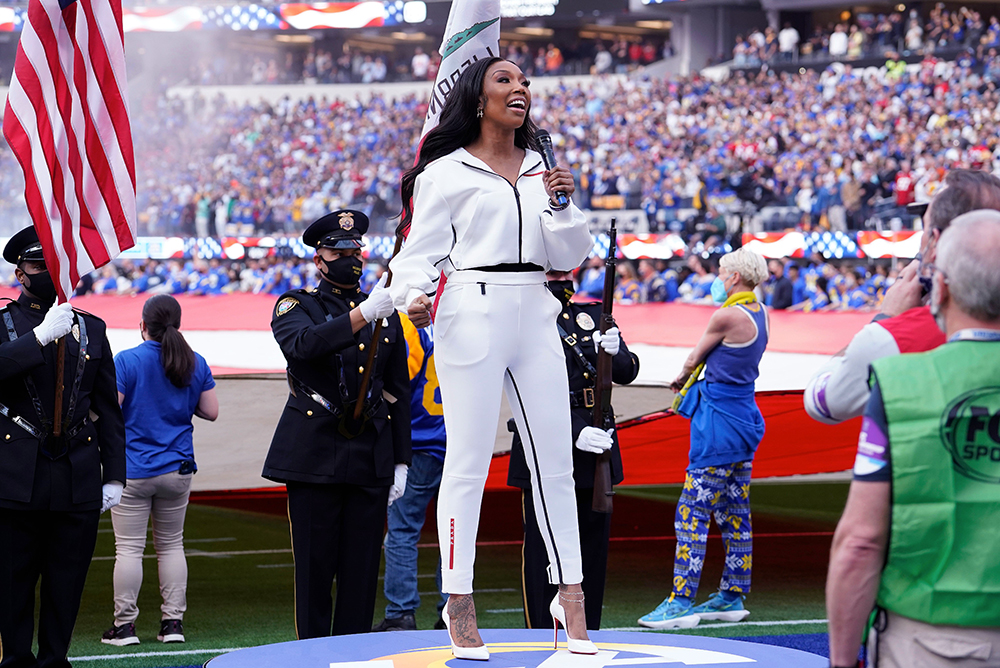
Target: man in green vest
[(918, 540)]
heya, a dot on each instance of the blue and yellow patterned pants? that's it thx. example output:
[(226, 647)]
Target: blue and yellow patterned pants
[(725, 491)]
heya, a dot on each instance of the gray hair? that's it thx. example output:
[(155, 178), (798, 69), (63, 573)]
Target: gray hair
[(969, 255), (964, 190), (749, 265)]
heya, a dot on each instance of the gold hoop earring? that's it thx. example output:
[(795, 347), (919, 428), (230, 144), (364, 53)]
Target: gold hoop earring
[(479, 112)]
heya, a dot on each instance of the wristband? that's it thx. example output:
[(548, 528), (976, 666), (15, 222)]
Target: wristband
[(556, 207)]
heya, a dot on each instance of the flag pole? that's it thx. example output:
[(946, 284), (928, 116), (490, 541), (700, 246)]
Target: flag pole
[(60, 366), (472, 32)]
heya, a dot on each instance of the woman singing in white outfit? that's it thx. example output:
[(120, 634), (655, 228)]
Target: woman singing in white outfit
[(483, 213)]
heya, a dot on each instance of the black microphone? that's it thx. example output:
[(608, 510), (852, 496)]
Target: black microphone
[(544, 141)]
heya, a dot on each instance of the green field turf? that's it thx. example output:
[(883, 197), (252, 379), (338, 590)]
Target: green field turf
[(241, 600)]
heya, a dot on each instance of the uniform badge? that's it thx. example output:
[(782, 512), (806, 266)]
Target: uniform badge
[(76, 332), (285, 305), (346, 220), (585, 321)]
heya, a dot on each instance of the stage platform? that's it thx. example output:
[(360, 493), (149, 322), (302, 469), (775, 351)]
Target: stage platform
[(516, 649)]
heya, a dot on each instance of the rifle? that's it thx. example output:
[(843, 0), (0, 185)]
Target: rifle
[(603, 416), (354, 426)]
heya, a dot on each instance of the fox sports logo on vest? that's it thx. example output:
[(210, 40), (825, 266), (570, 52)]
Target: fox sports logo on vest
[(970, 429)]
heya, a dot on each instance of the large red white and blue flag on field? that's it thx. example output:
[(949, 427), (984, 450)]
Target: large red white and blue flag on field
[(67, 123), (472, 32)]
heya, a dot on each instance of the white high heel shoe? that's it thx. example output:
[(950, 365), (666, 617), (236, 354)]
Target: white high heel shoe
[(479, 653), (558, 613)]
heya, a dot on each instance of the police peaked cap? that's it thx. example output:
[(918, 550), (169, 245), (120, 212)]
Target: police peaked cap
[(340, 229), (23, 246)]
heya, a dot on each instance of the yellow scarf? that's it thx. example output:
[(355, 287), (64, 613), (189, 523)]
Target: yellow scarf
[(737, 298)]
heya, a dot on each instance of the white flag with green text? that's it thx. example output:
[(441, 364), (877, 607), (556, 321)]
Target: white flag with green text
[(473, 32)]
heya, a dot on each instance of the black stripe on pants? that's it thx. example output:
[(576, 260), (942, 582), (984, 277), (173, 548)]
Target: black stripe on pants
[(528, 443), (595, 530), (336, 534), (55, 547)]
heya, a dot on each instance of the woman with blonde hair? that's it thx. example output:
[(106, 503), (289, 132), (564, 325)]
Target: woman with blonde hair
[(726, 428)]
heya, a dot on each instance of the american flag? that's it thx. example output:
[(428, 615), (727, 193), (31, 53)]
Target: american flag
[(67, 123)]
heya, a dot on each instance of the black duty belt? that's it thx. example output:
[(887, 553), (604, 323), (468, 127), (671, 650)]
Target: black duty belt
[(582, 398), (297, 386)]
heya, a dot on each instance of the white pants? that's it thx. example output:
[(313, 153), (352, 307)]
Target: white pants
[(494, 330), (164, 498)]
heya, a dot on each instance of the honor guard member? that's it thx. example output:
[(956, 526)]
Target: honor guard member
[(578, 328), (340, 473), (53, 488)]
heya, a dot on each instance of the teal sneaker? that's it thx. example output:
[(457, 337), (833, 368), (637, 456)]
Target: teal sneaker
[(717, 609), (671, 614)]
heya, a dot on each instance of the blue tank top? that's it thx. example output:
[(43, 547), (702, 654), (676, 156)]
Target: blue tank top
[(737, 364)]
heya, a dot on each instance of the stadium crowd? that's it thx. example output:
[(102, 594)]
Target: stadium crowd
[(871, 35), (330, 63), (839, 145)]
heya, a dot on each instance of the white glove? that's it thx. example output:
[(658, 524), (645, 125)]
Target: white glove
[(610, 341), (379, 302), (111, 494), (57, 323), (398, 482), (595, 440)]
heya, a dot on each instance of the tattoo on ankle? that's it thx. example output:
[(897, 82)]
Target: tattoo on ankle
[(462, 611)]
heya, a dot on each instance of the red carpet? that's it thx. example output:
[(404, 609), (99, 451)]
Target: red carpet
[(655, 447), (235, 312), (678, 325)]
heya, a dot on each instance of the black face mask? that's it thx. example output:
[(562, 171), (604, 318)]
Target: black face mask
[(563, 290), (41, 286), (342, 271)]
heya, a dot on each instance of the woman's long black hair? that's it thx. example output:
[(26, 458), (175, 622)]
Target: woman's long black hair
[(162, 315), (457, 127)]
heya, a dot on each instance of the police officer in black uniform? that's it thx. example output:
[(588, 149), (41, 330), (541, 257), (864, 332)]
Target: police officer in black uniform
[(578, 328), (340, 473), (52, 488)]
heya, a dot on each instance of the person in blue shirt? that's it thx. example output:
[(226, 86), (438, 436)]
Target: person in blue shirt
[(697, 285), (177, 282), (816, 298), (654, 286), (798, 283), (855, 296), (592, 277), (162, 385), (153, 276), (276, 281)]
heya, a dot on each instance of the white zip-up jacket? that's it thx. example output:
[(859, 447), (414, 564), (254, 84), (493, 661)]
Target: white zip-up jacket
[(466, 216)]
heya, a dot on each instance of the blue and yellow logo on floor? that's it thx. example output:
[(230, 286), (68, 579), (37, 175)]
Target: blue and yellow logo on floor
[(541, 654), (517, 649)]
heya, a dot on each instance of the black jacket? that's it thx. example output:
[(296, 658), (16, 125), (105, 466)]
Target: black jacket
[(40, 471), (325, 358), (580, 321)]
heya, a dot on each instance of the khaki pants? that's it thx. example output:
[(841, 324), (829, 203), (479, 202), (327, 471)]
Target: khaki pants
[(165, 499), (907, 643)]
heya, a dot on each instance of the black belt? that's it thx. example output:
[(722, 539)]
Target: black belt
[(510, 267), (582, 398), (297, 385)]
